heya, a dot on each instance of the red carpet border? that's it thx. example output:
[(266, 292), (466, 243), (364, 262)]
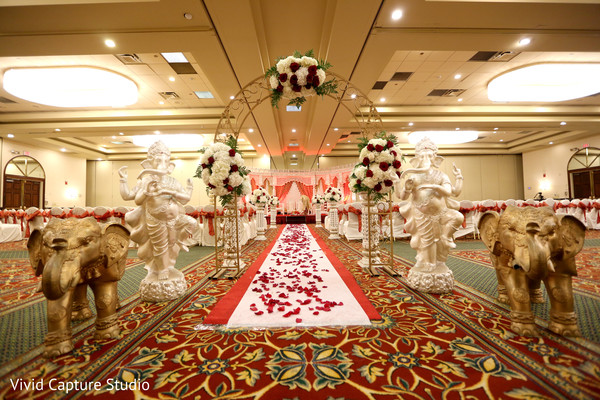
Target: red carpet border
[(454, 346)]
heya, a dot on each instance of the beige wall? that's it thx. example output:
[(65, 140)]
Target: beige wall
[(551, 161), (495, 177), (64, 173)]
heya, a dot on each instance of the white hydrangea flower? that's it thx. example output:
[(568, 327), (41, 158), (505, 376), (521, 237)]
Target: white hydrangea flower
[(274, 81), (384, 156), (321, 75)]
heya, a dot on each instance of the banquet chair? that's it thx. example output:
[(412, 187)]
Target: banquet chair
[(208, 225), (342, 218), (103, 215), (468, 209), (580, 210), (119, 214), (563, 206), (244, 227), (80, 212), (192, 239), (398, 221), (9, 232), (34, 220), (594, 214), (252, 220), (59, 212), (354, 228)]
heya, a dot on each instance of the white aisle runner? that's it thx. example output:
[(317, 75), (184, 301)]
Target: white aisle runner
[(298, 285)]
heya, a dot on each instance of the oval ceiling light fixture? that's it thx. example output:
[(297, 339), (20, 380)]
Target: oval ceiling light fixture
[(548, 82), (443, 137), (71, 86), (179, 140)]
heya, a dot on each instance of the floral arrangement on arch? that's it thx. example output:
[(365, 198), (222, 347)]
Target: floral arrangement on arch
[(297, 77), (318, 199), (223, 171), (274, 201), (259, 197), (379, 165), (332, 195)]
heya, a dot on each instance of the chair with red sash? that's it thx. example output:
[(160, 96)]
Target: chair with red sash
[(80, 212), (563, 206), (581, 210), (245, 226), (103, 215), (208, 225), (252, 219), (469, 210), (59, 212), (594, 214), (9, 232), (354, 228), (34, 220)]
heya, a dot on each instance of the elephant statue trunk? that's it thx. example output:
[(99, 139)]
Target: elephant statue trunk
[(530, 245), (70, 254)]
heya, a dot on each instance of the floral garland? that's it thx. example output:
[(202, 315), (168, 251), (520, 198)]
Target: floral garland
[(332, 195), (274, 201), (378, 167), (223, 171), (259, 197), (318, 199), (297, 77)]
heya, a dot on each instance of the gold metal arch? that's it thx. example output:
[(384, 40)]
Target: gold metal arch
[(240, 108)]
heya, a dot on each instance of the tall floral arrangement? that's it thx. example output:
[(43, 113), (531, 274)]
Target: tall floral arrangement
[(223, 171), (332, 195), (259, 197), (297, 77), (274, 201), (318, 199), (379, 165)]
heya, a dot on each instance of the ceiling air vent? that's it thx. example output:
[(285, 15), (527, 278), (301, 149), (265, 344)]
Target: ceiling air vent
[(494, 56), (379, 85), (401, 76), (446, 92), (169, 95), (6, 101), (128, 59)]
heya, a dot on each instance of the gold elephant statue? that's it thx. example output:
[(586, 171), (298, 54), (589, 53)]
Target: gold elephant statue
[(71, 254), (529, 245)]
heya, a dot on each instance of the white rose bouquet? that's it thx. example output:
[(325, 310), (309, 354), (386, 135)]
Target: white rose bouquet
[(378, 167), (274, 201), (259, 197), (223, 171), (318, 199), (332, 195), (298, 76)]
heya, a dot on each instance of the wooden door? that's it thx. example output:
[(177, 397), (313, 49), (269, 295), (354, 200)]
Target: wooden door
[(582, 188), (31, 194), (12, 193), (596, 180)]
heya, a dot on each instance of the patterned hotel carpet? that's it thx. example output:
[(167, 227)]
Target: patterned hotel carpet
[(454, 346)]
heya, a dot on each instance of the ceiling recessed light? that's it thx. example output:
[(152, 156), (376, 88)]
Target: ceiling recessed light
[(121, 133), (259, 145), (161, 102), (57, 130), (204, 95), (156, 133), (71, 86), (382, 99), (410, 123), (109, 43), (231, 97), (524, 41), (172, 78), (10, 135), (502, 140), (335, 129), (457, 129), (63, 149), (293, 108), (547, 82), (175, 57), (294, 163), (563, 123), (457, 76), (550, 142), (293, 156), (352, 96), (327, 144), (396, 14), (495, 129), (98, 159), (293, 130), (460, 99), (443, 137), (250, 130)]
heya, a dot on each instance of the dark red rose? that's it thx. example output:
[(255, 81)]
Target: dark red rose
[(366, 161), (369, 173), (297, 88), (231, 152), (307, 86), (294, 80), (398, 173), (390, 144), (358, 182), (379, 148), (393, 152), (388, 182), (384, 166), (316, 82), (294, 66), (204, 165), (309, 79), (370, 147), (210, 160), (225, 181), (234, 168), (377, 187), (283, 77), (210, 185), (230, 188), (312, 69), (397, 164), (279, 88)]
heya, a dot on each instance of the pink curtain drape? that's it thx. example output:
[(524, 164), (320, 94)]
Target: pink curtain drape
[(306, 190), (282, 191)]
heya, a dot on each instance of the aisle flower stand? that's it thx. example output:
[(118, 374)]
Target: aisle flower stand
[(261, 225), (229, 263), (317, 215), (334, 223), (371, 229), (273, 211)]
